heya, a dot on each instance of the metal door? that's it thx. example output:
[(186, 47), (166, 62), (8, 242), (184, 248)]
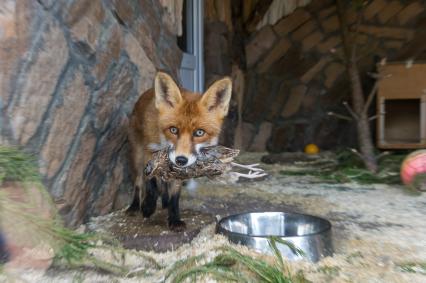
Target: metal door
[(192, 65)]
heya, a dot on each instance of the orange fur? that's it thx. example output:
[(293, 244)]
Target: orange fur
[(166, 106)]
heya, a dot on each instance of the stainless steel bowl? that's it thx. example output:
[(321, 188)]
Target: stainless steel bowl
[(309, 233)]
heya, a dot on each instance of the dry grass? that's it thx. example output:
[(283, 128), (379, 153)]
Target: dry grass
[(231, 265), (77, 250)]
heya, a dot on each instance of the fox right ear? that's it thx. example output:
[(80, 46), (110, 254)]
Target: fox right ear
[(217, 97), (167, 93)]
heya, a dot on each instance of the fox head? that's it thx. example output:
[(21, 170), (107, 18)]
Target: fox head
[(189, 121)]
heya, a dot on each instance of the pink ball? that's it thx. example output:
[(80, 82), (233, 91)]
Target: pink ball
[(413, 166)]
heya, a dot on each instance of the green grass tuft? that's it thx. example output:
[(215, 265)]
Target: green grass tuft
[(72, 249), (16, 165), (350, 168), (233, 266), (413, 267), (73, 246), (331, 271), (183, 265)]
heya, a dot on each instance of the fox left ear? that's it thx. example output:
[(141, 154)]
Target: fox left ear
[(167, 93), (217, 97)]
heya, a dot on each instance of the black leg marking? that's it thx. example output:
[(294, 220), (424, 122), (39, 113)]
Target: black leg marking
[(165, 194), (135, 206), (175, 224), (149, 204)]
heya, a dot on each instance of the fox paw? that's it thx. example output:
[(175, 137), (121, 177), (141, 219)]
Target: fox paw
[(132, 210), (148, 210), (177, 225)]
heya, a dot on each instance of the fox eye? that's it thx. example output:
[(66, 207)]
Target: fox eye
[(199, 133), (173, 130)]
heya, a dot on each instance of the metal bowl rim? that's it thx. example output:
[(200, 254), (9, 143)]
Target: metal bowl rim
[(219, 226)]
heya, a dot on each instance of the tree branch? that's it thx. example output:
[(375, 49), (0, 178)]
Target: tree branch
[(373, 91), (340, 116), (371, 96), (374, 117), (356, 33), (353, 114), (358, 101), (383, 154), (357, 153)]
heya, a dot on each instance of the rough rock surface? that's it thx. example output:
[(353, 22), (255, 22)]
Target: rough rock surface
[(71, 73), (297, 62)]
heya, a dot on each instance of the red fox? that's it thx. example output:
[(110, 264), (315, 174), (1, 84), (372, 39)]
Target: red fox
[(171, 117)]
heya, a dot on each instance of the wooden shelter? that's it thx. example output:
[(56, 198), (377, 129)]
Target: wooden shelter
[(401, 106)]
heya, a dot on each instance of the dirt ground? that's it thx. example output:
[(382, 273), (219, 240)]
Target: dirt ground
[(378, 230)]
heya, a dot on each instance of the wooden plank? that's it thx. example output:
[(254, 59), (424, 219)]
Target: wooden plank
[(423, 119), (402, 121), (401, 146), (381, 120), (403, 82), (401, 129)]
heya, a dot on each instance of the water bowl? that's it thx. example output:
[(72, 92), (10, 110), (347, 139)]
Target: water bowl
[(309, 233)]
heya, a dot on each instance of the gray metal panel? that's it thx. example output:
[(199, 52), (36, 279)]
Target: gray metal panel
[(192, 65)]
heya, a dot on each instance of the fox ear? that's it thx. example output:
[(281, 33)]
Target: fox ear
[(167, 93), (217, 97)]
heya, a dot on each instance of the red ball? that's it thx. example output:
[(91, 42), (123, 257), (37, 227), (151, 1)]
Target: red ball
[(413, 166)]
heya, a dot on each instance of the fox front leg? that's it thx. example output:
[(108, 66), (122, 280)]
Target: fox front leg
[(175, 223)]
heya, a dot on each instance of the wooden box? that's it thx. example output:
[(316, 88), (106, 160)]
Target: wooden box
[(401, 106)]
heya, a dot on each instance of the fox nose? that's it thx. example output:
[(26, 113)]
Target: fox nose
[(181, 160)]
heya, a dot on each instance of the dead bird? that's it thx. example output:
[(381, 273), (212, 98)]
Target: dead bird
[(211, 162)]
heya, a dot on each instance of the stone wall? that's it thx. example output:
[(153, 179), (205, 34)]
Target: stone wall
[(71, 73), (295, 73)]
